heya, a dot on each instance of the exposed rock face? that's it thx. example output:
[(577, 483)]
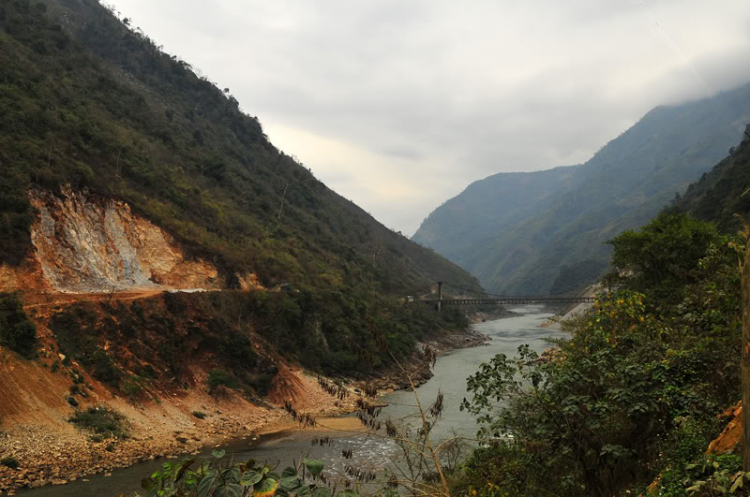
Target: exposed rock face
[(248, 281), (86, 244), (730, 438)]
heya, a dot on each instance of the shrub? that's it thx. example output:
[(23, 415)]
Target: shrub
[(262, 384), (75, 329), (132, 386), (101, 421), (219, 378), (10, 462), (16, 331)]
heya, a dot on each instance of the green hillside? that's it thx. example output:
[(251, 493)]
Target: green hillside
[(89, 102), (86, 100), (461, 228), (546, 232), (718, 195)]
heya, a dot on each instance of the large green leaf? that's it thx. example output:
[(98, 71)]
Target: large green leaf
[(290, 482), (229, 490), (219, 453), (250, 478), (232, 475), (205, 486), (289, 471), (303, 491), (266, 487), (314, 466), (321, 492)]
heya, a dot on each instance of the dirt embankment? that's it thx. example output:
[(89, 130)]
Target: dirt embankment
[(35, 411), (419, 366), (36, 431), (96, 278)]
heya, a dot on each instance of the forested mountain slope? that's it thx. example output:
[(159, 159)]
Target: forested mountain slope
[(462, 226), (720, 194), (553, 240), (87, 101)]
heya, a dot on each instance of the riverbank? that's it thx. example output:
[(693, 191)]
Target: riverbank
[(51, 451), (57, 453), (419, 368)]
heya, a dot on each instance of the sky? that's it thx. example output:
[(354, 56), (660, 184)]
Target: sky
[(399, 105)]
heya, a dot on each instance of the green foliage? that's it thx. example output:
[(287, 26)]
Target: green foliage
[(101, 421), (212, 478), (710, 476), (261, 383), (77, 332), (237, 333), (219, 378), (10, 462), (640, 381), (664, 255), (719, 196), (17, 332), (88, 101), (133, 386)]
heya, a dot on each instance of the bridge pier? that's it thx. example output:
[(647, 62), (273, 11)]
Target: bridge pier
[(440, 296)]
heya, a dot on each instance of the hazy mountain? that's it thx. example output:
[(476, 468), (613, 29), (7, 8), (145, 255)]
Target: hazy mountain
[(545, 232)]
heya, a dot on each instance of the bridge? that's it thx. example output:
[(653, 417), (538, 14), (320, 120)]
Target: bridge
[(511, 301), (491, 299)]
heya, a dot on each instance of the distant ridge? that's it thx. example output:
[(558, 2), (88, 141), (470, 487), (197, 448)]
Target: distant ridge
[(544, 232)]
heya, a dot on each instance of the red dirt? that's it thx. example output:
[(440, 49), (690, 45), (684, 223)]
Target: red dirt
[(731, 437)]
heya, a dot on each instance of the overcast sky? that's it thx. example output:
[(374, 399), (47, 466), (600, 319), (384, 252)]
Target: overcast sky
[(399, 104)]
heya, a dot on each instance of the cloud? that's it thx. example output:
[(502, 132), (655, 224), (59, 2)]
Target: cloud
[(400, 105)]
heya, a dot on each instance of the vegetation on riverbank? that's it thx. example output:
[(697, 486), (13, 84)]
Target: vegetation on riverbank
[(238, 334), (637, 389)]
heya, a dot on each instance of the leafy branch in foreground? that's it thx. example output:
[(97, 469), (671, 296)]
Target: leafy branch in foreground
[(213, 478)]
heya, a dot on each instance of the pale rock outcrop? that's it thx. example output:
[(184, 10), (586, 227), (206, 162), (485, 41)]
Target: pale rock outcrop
[(85, 244)]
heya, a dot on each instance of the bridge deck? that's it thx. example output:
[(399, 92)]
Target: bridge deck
[(512, 300)]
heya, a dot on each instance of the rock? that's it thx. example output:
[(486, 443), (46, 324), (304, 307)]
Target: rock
[(731, 436)]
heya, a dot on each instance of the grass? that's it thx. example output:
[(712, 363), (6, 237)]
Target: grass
[(218, 378), (100, 420)]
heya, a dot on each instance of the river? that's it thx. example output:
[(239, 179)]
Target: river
[(451, 371)]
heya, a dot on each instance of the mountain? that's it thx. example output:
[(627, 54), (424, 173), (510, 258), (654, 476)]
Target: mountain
[(125, 172), (91, 104), (546, 231), (719, 196)]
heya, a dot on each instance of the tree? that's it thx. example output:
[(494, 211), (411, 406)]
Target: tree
[(745, 269), (664, 254)]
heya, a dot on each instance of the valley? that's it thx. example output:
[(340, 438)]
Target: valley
[(188, 310)]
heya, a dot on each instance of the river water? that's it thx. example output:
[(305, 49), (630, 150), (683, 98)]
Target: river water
[(369, 451)]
